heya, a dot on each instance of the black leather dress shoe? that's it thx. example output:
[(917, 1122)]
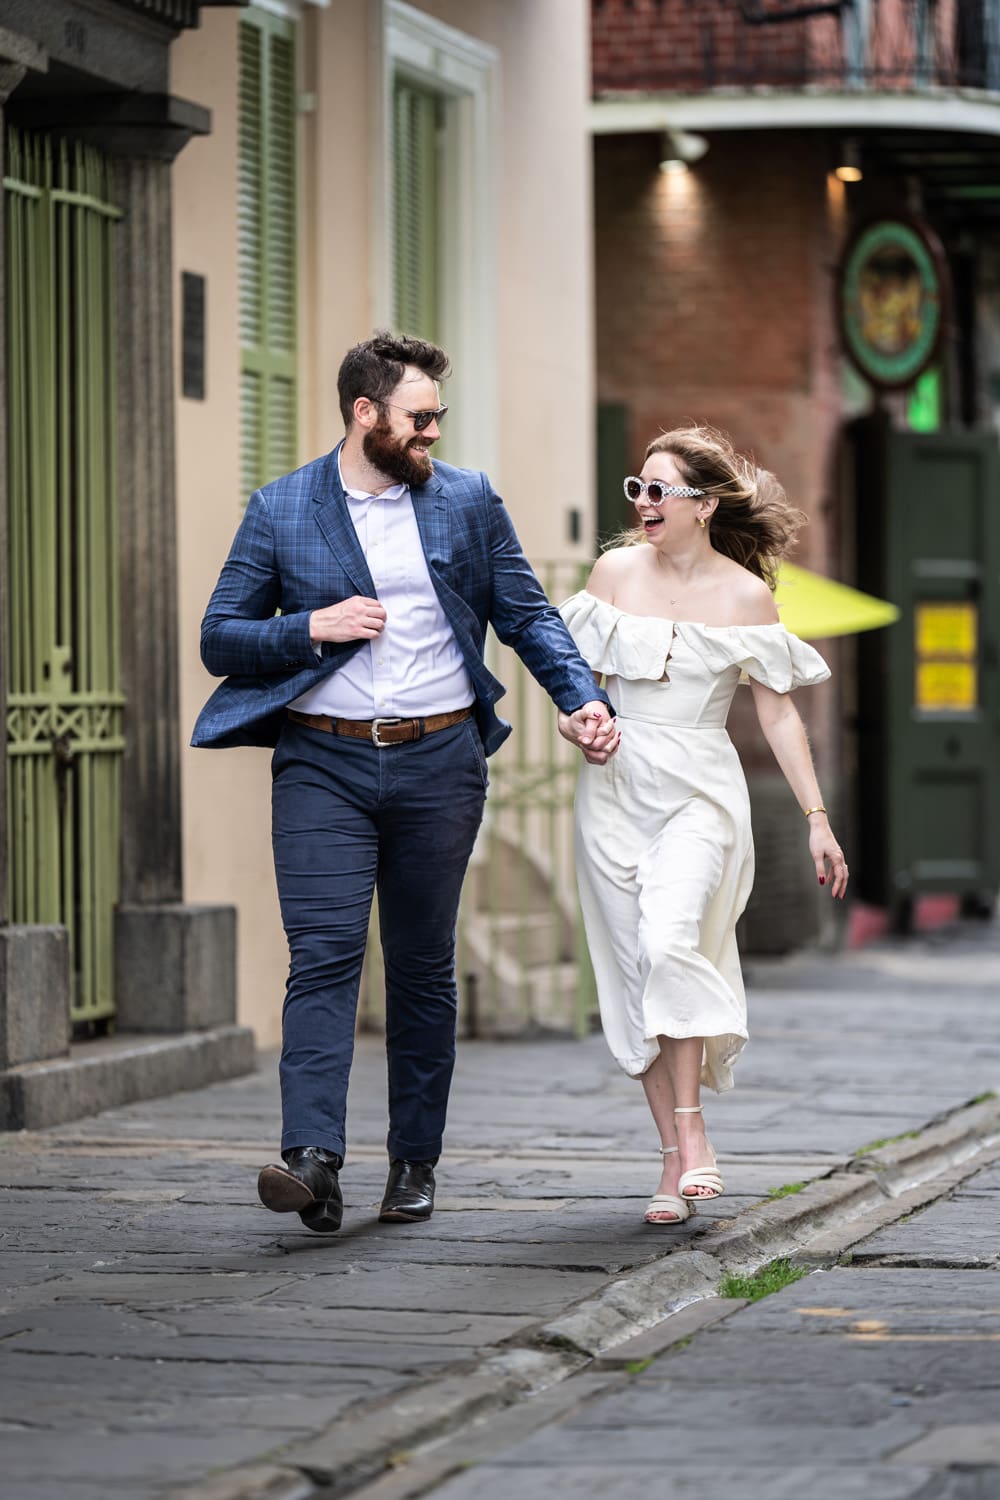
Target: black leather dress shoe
[(306, 1184), (409, 1192)]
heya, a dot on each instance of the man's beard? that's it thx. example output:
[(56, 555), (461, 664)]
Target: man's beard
[(395, 458)]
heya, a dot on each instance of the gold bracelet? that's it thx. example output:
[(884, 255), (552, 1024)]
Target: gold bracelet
[(814, 809)]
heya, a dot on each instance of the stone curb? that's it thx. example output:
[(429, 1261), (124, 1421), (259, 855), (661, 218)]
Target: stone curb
[(864, 1185), (356, 1447), (252, 1482), (632, 1304), (945, 1142), (109, 1073)]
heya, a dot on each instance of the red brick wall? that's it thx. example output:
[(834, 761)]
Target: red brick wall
[(714, 296), (715, 303), (680, 44)]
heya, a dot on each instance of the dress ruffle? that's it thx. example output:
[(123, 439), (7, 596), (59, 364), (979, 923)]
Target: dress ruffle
[(620, 645), (638, 647)]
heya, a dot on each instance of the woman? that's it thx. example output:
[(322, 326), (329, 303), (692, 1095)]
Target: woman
[(664, 849)]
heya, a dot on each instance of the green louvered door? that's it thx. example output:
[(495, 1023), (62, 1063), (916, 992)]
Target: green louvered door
[(267, 248), (64, 703), (416, 210)]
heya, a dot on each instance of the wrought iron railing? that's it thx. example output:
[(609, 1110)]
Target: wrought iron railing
[(522, 959), (177, 13), (672, 45)]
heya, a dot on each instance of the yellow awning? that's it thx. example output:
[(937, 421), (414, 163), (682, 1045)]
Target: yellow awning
[(815, 607)]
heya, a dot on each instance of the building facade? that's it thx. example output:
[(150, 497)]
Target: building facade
[(205, 207), (740, 150), (95, 931)]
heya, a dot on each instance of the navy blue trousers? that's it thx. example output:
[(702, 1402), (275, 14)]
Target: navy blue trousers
[(347, 818)]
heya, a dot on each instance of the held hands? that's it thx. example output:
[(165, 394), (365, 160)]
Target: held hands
[(355, 619), (828, 856), (592, 729)]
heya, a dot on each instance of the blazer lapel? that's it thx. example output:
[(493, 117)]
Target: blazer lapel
[(334, 520), (434, 524)]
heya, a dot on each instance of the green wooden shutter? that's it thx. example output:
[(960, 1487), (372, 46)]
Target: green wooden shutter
[(267, 248), (416, 209)]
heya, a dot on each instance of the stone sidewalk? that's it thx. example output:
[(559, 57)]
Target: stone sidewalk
[(160, 1328), (877, 1378)]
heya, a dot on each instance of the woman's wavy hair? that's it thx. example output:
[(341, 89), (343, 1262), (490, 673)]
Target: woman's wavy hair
[(753, 523)]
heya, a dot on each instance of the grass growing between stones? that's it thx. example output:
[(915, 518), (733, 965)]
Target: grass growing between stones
[(763, 1282), (786, 1190), (888, 1140)]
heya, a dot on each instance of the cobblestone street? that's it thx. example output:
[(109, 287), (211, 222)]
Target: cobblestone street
[(160, 1326)]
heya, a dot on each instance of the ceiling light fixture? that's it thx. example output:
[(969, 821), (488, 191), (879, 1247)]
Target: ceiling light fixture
[(849, 166), (679, 149)]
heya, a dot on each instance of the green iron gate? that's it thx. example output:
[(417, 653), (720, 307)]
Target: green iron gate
[(64, 704)]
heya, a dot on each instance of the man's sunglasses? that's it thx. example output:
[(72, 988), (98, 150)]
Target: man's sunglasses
[(420, 419), (656, 492)]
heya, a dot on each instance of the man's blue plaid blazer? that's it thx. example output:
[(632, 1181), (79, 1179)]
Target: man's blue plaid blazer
[(297, 550)]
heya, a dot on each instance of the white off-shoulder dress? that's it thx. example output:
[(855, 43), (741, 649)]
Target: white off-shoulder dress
[(664, 848)]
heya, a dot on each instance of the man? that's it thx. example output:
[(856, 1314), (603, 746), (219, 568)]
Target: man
[(386, 569)]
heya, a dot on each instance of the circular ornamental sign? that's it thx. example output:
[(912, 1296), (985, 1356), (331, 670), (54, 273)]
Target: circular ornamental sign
[(891, 300)]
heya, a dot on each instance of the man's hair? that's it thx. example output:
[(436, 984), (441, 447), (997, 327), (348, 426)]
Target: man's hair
[(375, 368)]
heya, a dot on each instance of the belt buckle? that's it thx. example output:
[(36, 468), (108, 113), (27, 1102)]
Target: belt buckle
[(376, 726)]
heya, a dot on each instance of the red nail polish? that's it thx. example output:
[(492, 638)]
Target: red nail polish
[(822, 880)]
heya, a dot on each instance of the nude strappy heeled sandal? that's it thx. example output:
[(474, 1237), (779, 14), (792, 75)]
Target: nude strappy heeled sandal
[(703, 1177), (668, 1203)]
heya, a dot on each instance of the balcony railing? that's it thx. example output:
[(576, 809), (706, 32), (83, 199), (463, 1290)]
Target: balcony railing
[(869, 45), (176, 13)]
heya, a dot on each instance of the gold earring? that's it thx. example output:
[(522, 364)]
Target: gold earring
[(701, 522)]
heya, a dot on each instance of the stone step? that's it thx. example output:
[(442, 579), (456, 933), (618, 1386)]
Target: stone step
[(122, 1069), (529, 938), (511, 998)]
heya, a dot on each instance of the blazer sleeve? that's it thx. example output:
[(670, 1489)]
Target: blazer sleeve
[(524, 619), (240, 633)]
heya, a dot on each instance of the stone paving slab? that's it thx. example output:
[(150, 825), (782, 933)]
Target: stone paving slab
[(960, 1232), (60, 1381), (833, 1301), (143, 1460), (835, 1363), (662, 1438), (971, 1446), (687, 1480)]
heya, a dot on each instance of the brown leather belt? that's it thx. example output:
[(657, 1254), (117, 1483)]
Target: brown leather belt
[(382, 732)]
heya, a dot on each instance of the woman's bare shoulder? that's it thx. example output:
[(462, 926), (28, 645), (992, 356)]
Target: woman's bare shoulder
[(751, 600), (609, 571)]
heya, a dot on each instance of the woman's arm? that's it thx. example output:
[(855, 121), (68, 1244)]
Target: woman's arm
[(786, 735)]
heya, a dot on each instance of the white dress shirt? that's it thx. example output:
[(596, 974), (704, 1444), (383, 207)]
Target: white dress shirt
[(414, 667)]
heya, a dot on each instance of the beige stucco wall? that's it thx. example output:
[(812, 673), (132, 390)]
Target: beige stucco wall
[(542, 207), (227, 853), (543, 315)]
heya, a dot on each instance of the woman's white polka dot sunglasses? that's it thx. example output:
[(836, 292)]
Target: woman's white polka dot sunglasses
[(656, 492)]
